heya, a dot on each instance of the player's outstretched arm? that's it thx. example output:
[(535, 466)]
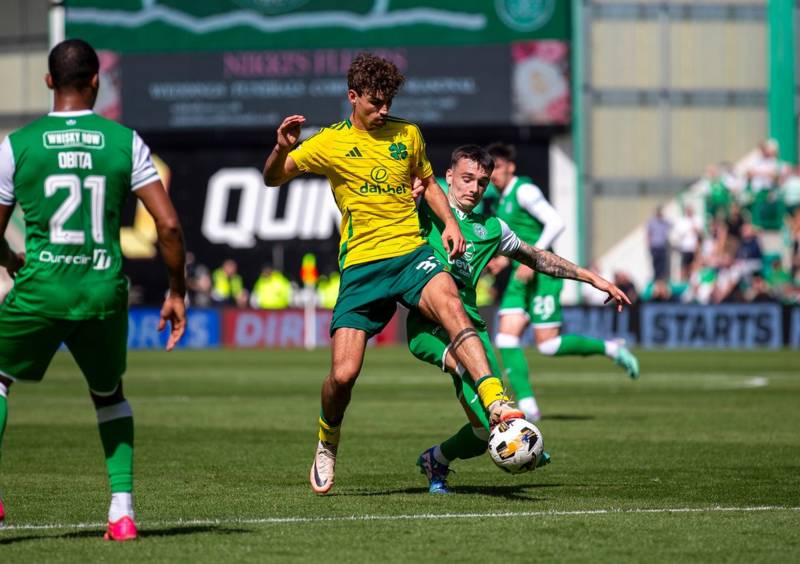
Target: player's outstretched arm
[(279, 167), (452, 238), (9, 260), (553, 265), (170, 240)]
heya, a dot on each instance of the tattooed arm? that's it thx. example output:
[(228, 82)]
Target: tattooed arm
[(557, 267)]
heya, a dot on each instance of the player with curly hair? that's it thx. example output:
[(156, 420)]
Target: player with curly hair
[(369, 159)]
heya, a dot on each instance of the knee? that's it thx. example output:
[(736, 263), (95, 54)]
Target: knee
[(455, 311), (107, 399), (343, 376)]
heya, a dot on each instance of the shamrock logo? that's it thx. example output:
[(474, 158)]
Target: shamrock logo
[(398, 151)]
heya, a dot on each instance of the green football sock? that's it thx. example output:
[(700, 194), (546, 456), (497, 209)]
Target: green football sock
[(472, 400), (116, 433), (580, 345), (516, 366), (464, 444)]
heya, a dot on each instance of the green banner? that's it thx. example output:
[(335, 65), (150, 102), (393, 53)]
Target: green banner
[(131, 26)]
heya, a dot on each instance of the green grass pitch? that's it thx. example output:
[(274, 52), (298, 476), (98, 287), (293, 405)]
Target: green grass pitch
[(699, 461)]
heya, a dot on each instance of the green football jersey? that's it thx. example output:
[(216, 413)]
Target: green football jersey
[(485, 237), (510, 210), (71, 173)]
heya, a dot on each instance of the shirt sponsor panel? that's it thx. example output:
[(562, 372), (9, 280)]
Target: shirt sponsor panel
[(68, 138)]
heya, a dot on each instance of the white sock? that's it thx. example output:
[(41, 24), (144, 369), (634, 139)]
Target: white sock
[(528, 405), (121, 506), (550, 346), (612, 349), (506, 341), (439, 457)]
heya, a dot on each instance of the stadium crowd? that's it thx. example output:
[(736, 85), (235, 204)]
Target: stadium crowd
[(272, 289), (741, 244), (742, 248)]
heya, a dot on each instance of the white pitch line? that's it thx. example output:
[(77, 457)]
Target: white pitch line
[(757, 382), (412, 517)]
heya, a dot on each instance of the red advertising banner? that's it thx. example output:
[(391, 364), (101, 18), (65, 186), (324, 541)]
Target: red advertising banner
[(285, 328)]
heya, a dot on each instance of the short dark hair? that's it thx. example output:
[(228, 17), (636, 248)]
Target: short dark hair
[(72, 64), (371, 74), (500, 150), (473, 153)]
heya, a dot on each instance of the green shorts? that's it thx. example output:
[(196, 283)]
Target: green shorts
[(369, 292), (99, 346), (429, 342), (539, 299)]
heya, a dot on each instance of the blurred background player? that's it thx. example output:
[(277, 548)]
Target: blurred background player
[(533, 298), (369, 159), (487, 236), (71, 172)]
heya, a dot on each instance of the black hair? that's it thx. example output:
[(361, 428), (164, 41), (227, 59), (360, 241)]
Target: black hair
[(473, 153), (500, 150), (72, 64)]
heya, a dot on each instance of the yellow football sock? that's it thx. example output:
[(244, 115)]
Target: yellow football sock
[(328, 433), (490, 389)]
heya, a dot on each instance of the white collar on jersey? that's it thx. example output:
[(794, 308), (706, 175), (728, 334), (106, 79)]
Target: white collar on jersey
[(75, 113), (506, 190), (459, 212)]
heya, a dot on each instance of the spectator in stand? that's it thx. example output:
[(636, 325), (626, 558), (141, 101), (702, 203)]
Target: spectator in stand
[(730, 232), (686, 235), (623, 281), (749, 257), (795, 231), (701, 283), (662, 292), (791, 198), (227, 286), (758, 291), (732, 180), (198, 282), (769, 216), (766, 167), (272, 290), (485, 292), (658, 229), (328, 289), (718, 197), (780, 281), (726, 284), (790, 190), (748, 194), (768, 209)]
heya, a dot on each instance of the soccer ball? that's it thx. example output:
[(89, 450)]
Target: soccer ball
[(516, 446)]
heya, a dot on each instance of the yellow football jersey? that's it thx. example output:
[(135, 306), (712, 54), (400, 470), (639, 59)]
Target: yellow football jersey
[(370, 173)]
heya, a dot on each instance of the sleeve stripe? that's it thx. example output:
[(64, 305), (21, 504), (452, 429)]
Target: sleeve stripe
[(152, 178)]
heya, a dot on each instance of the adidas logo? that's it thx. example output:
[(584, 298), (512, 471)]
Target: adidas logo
[(354, 152)]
